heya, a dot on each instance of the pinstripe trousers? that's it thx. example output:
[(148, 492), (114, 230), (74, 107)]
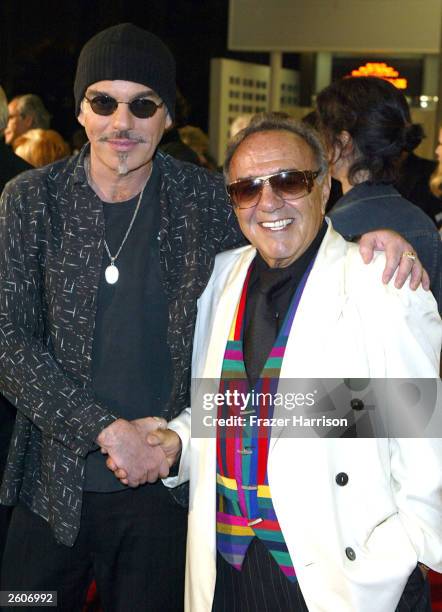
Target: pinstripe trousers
[(262, 586)]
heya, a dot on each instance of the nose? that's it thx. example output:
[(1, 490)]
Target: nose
[(269, 200), (122, 119)]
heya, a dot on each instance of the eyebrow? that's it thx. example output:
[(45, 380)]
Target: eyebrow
[(140, 94)]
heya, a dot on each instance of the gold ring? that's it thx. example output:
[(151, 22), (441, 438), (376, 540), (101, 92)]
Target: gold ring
[(409, 255)]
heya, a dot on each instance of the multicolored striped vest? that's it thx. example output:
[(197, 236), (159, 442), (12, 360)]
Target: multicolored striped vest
[(244, 501)]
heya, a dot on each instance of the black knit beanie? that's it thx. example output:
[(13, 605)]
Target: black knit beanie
[(127, 53)]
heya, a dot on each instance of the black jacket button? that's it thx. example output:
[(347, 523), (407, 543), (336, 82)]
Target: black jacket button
[(341, 479), (350, 554), (357, 404)]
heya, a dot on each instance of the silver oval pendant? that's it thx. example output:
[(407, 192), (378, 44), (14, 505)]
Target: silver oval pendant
[(111, 274)]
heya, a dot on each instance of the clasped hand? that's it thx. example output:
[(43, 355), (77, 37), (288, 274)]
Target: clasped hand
[(139, 451)]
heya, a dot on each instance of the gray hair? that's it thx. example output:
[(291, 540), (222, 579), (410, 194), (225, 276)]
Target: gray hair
[(4, 114), (268, 122), (32, 105)]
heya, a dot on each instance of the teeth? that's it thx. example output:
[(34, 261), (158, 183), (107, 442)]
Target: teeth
[(277, 225)]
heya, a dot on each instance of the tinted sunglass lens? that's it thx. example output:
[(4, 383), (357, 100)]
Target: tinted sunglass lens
[(244, 194), (143, 108), (140, 107), (103, 105), (289, 184)]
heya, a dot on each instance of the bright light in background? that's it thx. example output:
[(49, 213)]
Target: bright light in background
[(382, 71), (428, 101)]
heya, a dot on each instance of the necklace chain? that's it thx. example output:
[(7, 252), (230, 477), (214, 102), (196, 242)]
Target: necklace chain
[(126, 235), (113, 258)]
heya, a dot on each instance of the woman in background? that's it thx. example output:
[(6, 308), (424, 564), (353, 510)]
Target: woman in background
[(41, 147), (367, 125), (436, 177)]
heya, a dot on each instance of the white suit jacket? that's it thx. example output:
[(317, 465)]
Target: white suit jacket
[(348, 324)]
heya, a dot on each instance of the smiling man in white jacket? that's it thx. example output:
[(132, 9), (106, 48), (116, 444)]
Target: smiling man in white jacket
[(356, 515)]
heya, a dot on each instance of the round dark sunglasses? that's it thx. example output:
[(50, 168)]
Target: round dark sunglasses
[(142, 108), (286, 184)]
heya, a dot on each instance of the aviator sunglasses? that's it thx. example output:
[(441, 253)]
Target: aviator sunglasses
[(286, 184), (142, 108)]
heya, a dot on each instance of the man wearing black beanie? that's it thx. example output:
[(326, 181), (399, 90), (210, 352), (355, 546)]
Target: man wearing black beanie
[(117, 245), (103, 258)]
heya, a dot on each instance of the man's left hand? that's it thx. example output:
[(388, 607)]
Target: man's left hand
[(400, 256), (170, 443)]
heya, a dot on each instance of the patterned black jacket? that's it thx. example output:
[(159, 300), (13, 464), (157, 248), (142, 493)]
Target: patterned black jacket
[(52, 238)]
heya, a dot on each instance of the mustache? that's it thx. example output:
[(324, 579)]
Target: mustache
[(122, 135)]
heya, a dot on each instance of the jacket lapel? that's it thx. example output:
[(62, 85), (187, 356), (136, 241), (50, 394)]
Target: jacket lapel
[(319, 309), (226, 294), (318, 312)]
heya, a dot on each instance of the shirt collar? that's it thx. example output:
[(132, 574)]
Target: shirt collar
[(79, 173)]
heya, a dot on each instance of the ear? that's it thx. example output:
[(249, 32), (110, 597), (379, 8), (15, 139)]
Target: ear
[(346, 143), (28, 121), (168, 122), (325, 191), (80, 117)]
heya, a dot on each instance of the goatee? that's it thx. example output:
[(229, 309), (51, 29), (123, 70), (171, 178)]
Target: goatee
[(122, 164)]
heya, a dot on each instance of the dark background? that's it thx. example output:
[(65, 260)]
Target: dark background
[(40, 43)]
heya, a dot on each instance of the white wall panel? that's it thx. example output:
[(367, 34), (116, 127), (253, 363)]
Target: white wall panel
[(384, 26)]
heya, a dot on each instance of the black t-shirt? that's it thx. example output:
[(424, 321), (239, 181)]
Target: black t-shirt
[(131, 364)]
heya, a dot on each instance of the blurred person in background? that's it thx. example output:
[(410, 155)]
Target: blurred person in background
[(41, 147), (25, 113), (414, 177), (171, 142), (312, 120), (436, 180), (198, 141), (436, 177), (366, 124), (10, 164)]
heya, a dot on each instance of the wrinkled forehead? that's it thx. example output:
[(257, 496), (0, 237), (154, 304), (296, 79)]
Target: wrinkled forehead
[(270, 151)]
